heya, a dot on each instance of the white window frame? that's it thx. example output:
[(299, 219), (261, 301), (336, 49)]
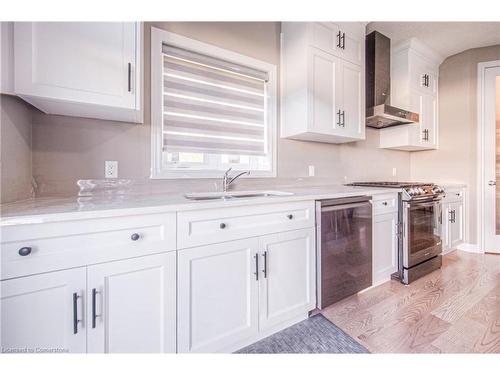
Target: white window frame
[(160, 37)]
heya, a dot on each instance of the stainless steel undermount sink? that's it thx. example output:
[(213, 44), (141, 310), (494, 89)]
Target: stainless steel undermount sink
[(235, 195)]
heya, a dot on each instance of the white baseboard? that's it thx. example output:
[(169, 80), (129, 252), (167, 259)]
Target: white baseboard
[(469, 247)]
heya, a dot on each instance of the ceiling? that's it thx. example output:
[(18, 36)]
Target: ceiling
[(446, 38)]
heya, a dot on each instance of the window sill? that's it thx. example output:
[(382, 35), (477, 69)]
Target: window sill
[(205, 174)]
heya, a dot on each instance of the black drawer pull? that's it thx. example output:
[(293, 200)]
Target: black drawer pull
[(222, 225), (384, 203), (290, 216), (135, 236), (23, 251)]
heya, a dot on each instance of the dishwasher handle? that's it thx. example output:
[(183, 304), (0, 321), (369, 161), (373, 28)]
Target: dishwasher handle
[(345, 206)]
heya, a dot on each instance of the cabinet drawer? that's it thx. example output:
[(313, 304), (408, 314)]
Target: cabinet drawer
[(453, 195), (76, 243), (385, 203), (202, 227)]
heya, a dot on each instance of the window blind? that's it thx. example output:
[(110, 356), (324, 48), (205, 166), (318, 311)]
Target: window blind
[(211, 105)]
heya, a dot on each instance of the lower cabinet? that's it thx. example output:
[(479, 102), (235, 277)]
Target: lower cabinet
[(287, 282), (131, 305), (122, 306), (44, 313), (453, 224), (385, 246), (231, 293)]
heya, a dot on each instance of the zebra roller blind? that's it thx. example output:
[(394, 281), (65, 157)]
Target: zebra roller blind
[(212, 106)]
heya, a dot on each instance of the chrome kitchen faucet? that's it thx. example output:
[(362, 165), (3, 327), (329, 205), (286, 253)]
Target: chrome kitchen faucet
[(226, 180)]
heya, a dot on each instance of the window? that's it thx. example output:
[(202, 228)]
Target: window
[(211, 109)]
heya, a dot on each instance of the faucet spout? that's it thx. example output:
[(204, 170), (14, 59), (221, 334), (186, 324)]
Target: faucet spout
[(227, 181)]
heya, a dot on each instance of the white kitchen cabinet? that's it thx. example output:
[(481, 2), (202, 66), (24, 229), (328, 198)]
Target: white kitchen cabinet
[(385, 236), (414, 86), (453, 219), (287, 279), (131, 305), (385, 246), (342, 39), (84, 69), (233, 293), (217, 296), (323, 92), (456, 223), (44, 312)]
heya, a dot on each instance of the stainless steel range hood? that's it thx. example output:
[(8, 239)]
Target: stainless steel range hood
[(379, 112)]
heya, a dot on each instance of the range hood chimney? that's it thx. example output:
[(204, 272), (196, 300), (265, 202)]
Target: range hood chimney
[(379, 112)]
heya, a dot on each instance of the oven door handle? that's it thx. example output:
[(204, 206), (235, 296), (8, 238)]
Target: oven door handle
[(425, 204)]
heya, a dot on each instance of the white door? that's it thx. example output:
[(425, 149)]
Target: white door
[(325, 91), (456, 232), (131, 305), (44, 313), (385, 246), (351, 101), (287, 281), (84, 62), (217, 296), (491, 153)]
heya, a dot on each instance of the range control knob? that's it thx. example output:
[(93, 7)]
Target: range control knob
[(437, 190)]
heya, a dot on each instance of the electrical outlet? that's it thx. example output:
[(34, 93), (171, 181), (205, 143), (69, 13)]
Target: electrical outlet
[(110, 169), (394, 171), (311, 171)]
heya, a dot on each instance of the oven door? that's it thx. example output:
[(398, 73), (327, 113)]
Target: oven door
[(422, 231)]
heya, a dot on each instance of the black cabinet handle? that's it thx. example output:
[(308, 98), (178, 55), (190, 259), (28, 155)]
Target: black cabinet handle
[(94, 313), (343, 119), (339, 40), (24, 251), (222, 225), (129, 77), (290, 216), (256, 267), (384, 203), (343, 40), (339, 112), (75, 313), (135, 236), (265, 264)]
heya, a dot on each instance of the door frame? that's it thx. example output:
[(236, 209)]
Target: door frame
[(481, 70)]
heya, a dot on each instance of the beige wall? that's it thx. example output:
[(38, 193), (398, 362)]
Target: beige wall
[(66, 149), (456, 158), (15, 145)]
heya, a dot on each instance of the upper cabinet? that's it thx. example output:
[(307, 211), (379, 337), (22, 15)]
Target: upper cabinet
[(322, 81), (414, 86), (84, 69)]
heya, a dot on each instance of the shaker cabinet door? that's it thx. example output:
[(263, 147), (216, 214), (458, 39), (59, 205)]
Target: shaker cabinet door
[(131, 305), (287, 276), (325, 92), (351, 78), (44, 313), (385, 246), (217, 296)]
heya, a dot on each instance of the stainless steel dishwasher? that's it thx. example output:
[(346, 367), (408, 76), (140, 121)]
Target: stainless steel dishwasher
[(344, 248)]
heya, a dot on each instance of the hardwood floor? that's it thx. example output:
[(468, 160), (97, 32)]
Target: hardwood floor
[(453, 310)]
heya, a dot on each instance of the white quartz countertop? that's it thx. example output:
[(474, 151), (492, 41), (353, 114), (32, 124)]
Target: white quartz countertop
[(41, 210)]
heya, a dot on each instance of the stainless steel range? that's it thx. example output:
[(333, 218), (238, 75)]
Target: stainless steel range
[(420, 221)]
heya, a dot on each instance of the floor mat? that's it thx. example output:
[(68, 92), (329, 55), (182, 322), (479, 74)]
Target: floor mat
[(314, 335)]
